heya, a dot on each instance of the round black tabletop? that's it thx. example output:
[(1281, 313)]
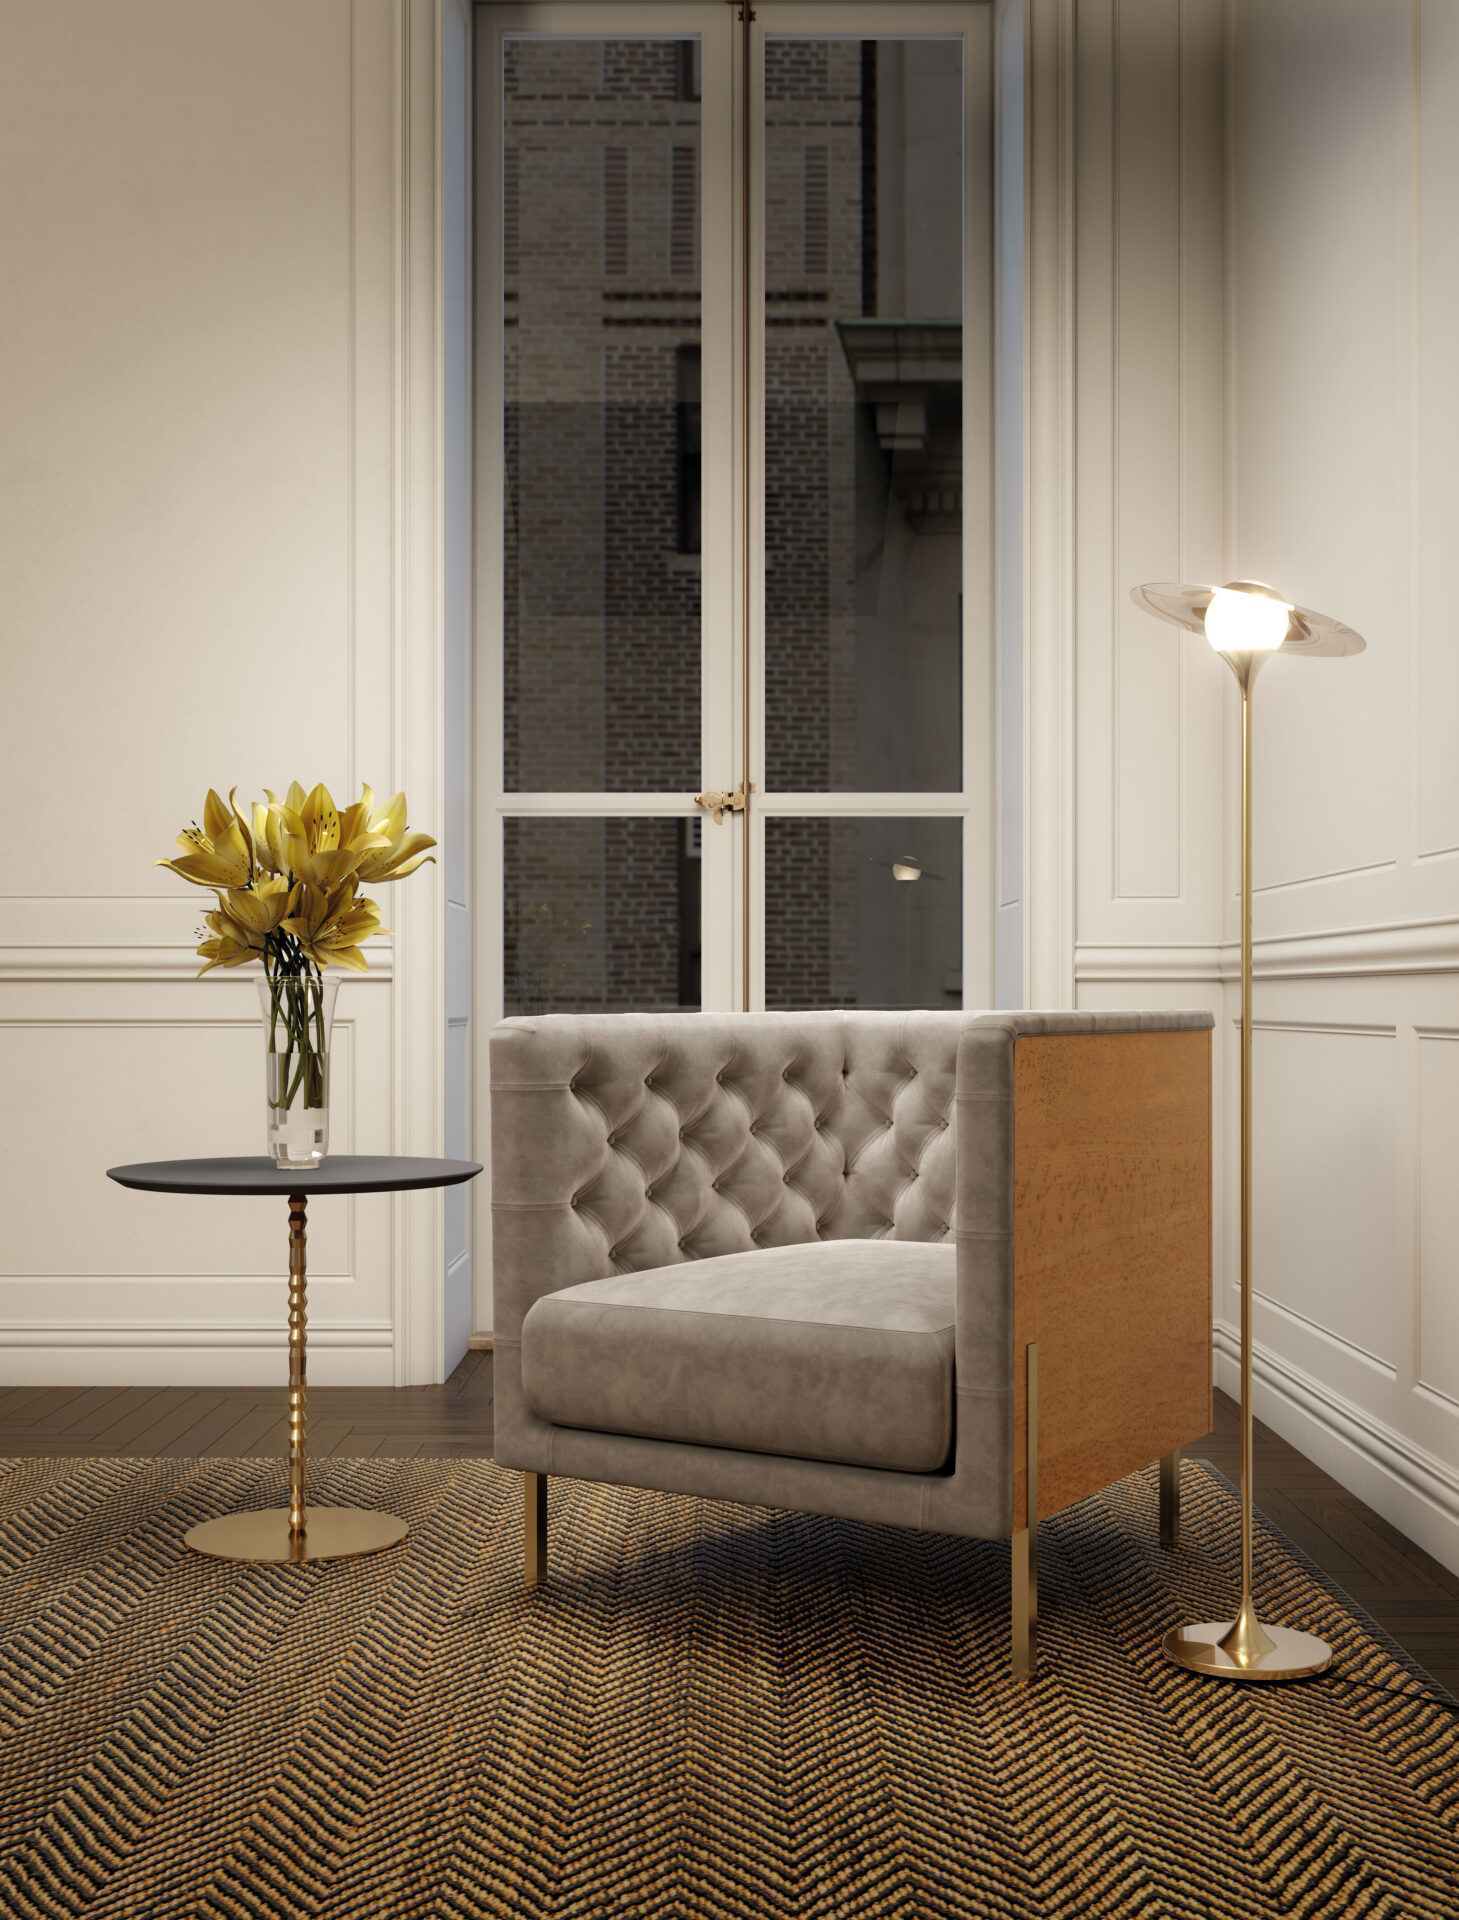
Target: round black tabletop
[(337, 1173)]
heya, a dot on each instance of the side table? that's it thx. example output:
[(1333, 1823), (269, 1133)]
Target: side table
[(289, 1533)]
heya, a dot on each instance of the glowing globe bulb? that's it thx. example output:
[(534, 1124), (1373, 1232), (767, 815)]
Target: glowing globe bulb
[(1239, 622)]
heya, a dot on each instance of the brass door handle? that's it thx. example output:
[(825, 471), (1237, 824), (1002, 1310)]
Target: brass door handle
[(719, 804)]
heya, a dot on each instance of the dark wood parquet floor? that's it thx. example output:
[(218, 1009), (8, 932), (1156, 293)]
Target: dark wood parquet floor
[(1401, 1586)]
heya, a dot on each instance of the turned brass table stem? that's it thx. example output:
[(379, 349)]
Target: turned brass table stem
[(296, 1532), (298, 1418)]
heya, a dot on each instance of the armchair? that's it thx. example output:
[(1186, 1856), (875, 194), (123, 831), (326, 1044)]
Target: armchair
[(937, 1270)]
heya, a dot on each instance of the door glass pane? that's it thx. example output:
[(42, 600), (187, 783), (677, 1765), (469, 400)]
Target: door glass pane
[(863, 913), (601, 249), (602, 916), (863, 415)]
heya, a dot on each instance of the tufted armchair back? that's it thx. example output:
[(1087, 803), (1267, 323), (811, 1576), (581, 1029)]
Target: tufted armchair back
[(634, 1141)]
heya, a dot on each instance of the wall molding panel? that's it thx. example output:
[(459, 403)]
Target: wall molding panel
[(1414, 1486), (1150, 424), (1417, 947), (1436, 1198), (1309, 1325), (103, 965)]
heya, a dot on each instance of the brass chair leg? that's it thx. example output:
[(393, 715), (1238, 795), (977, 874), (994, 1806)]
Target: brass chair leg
[(1024, 1626), (1170, 1499), (534, 1516)]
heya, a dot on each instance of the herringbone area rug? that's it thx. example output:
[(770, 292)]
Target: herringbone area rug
[(711, 1712)]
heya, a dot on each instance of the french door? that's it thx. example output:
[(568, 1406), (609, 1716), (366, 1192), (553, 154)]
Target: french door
[(733, 506)]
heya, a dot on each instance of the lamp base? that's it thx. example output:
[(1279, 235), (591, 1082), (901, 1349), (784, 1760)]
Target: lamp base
[(1293, 1654)]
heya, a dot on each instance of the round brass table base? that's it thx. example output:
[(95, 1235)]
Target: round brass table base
[(1293, 1654), (330, 1533)]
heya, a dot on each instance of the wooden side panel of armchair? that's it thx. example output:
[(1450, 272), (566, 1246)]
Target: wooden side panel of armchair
[(1111, 1255)]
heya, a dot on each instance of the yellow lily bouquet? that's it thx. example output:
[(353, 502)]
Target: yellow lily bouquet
[(288, 887)]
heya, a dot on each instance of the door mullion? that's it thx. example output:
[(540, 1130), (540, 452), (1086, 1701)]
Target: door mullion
[(750, 375), (721, 492)]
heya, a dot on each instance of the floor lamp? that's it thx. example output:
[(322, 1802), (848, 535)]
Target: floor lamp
[(1246, 623)]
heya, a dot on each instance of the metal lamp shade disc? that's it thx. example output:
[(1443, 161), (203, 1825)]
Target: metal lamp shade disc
[(1310, 633)]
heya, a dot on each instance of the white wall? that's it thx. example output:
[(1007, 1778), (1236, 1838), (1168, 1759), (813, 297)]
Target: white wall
[(219, 490), (1343, 417)]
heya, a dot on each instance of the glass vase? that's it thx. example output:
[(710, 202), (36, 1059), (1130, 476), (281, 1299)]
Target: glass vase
[(298, 1012)]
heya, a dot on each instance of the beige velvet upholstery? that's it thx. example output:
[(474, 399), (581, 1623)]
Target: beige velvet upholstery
[(638, 1143), (837, 1350)]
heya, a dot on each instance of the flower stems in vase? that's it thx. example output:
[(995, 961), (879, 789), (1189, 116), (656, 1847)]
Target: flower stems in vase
[(298, 1012), (296, 1002)]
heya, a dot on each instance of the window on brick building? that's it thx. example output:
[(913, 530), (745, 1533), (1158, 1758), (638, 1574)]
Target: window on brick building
[(815, 201), (615, 211), (690, 68), (690, 471), (511, 214), (683, 211)]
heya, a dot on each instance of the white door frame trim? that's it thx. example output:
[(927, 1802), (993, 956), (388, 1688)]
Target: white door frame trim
[(1049, 46)]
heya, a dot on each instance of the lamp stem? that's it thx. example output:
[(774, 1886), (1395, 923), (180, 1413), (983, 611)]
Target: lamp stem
[(1243, 1649), (1246, 1414), (906, 943), (1246, 1642)]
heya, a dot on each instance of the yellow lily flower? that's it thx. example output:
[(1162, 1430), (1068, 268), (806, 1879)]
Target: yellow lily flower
[(268, 835), (272, 825), (326, 870), (243, 923), (401, 852), (263, 909), (321, 820), (304, 835), (220, 852), (223, 950), (330, 925), (354, 822)]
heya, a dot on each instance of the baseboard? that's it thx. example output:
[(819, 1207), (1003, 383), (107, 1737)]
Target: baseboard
[(481, 1343), (163, 1355), (1413, 1489)]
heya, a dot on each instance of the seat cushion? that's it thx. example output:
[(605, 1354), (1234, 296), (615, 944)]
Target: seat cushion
[(838, 1350)]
